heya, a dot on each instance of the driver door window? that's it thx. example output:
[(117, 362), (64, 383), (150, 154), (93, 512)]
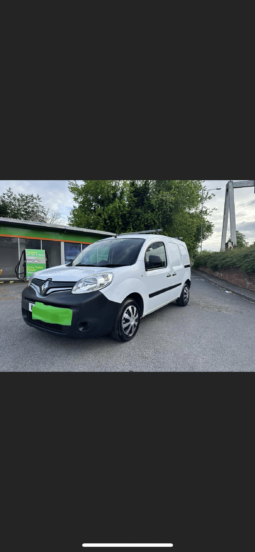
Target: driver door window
[(155, 257)]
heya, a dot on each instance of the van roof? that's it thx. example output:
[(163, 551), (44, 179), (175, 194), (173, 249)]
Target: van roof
[(147, 237)]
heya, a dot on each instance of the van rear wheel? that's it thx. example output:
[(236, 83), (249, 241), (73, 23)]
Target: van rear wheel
[(127, 322), (184, 298)]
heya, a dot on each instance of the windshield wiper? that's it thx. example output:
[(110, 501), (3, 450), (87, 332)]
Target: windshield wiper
[(102, 266)]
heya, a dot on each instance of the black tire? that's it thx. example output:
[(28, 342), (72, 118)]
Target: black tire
[(184, 298), (129, 310)]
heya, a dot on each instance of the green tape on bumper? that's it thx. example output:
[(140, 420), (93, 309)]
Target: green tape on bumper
[(52, 315)]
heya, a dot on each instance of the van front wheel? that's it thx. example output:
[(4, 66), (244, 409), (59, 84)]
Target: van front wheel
[(127, 321), (184, 298)]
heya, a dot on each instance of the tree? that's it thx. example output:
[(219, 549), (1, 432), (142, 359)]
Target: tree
[(184, 218), (101, 205), (52, 216), (135, 205), (240, 238), (3, 208), (22, 206), (188, 226), (241, 241)]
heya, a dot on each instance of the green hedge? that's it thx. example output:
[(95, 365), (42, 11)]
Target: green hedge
[(243, 258)]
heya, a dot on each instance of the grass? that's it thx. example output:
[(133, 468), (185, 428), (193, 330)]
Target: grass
[(242, 258)]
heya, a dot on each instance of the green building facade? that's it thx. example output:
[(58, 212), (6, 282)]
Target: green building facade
[(62, 243)]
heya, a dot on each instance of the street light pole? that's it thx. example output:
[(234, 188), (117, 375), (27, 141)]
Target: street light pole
[(210, 190)]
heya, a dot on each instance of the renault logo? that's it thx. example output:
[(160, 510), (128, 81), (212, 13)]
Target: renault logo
[(45, 286)]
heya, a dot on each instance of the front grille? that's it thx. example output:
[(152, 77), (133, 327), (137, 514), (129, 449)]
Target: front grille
[(39, 324), (37, 282), (60, 285)]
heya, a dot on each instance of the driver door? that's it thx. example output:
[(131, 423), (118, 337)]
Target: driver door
[(157, 274)]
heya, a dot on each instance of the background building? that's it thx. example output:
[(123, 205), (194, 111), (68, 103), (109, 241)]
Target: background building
[(62, 243)]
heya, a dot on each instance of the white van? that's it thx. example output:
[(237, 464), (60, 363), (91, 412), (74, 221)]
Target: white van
[(109, 287)]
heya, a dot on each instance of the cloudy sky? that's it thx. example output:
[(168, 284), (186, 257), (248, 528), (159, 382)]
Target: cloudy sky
[(55, 194)]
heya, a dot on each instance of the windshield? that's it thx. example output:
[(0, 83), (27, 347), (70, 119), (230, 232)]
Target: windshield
[(110, 253)]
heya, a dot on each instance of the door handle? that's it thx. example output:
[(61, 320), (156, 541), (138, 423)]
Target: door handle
[(174, 274), (169, 275)]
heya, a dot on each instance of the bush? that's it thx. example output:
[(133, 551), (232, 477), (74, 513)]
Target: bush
[(243, 258)]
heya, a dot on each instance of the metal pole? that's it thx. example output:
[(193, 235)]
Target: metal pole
[(19, 252), (225, 220), (232, 213)]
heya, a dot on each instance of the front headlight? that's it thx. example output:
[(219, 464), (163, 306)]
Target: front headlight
[(93, 283)]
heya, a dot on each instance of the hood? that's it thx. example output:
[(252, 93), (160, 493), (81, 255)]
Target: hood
[(65, 273)]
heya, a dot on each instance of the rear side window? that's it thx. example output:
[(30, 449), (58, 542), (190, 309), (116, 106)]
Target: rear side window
[(155, 256), (185, 255), (175, 255)]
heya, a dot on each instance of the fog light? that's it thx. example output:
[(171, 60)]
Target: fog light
[(84, 327)]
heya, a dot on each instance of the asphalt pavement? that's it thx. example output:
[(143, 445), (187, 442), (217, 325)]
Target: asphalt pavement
[(214, 333)]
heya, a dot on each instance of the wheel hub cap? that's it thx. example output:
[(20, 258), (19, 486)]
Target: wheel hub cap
[(186, 294), (130, 319)]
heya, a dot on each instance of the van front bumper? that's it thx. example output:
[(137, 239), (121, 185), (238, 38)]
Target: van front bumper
[(93, 313)]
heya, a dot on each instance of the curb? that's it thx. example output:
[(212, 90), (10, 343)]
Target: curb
[(220, 283), (12, 281)]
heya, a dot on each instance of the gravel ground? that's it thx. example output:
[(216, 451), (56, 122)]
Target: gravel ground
[(214, 333)]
